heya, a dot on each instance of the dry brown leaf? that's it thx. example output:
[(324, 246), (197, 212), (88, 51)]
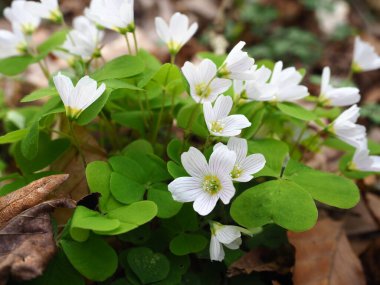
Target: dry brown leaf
[(71, 163), (371, 261), (324, 256), (27, 242), (26, 197), (263, 259), (374, 204)]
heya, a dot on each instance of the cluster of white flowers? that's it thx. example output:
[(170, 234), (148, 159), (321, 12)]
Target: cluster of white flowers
[(25, 17), (83, 41), (211, 180), (345, 127)]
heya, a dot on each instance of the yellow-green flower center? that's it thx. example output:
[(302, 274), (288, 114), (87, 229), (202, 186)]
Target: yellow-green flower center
[(211, 184), (28, 29), (356, 68), (236, 172), (129, 29), (22, 48), (56, 16), (174, 47), (223, 72), (217, 127), (324, 101), (72, 113), (352, 166), (202, 90)]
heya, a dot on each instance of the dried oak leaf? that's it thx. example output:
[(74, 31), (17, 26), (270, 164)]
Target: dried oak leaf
[(26, 197), (27, 242), (324, 256)]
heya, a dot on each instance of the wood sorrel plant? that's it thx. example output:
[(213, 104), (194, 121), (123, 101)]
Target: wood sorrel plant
[(199, 159)]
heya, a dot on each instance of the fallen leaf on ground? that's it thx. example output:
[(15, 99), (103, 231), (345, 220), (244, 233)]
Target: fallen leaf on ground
[(263, 259), (371, 261), (76, 187), (325, 257), (27, 242), (26, 197)]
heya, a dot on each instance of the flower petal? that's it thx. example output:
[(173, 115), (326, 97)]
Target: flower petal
[(205, 203), (240, 147), (253, 163), (65, 87), (227, 234), (195, 163), (222, 161), (216, 250), (186, 189)]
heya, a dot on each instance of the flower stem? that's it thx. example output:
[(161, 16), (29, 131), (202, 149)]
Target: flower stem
[(190, 124), (172, 58), (304, 129), (44, 70), (76, 143), (128, 43), (135, 42)]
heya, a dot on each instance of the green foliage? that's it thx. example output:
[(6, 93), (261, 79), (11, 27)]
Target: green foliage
[(29, 145), (184, 244), (148, 266), (121, 67), (296, 111), (279, 201), (293, 42), (38, 94), (324, 187), (372, 112), (59, 272), (138, 130), (47, 152), (91, 112), (14, 65), (92, 266), (14, 136), (54, 41)]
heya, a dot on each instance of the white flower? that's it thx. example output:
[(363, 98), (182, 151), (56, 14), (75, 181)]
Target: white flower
[(365, 57), (251, 89), (84, 40), (332, 15), (283, 86), (346, 129), (362, 161), (116, 15), (239, 87), (21, 17), (219, 123), (204, 86), (245, 165), (208, 183), (77, 99), (331, 96), (46, 9), (256, 86), (177, 33), (237, 65), (12, 44), (229, 236)]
